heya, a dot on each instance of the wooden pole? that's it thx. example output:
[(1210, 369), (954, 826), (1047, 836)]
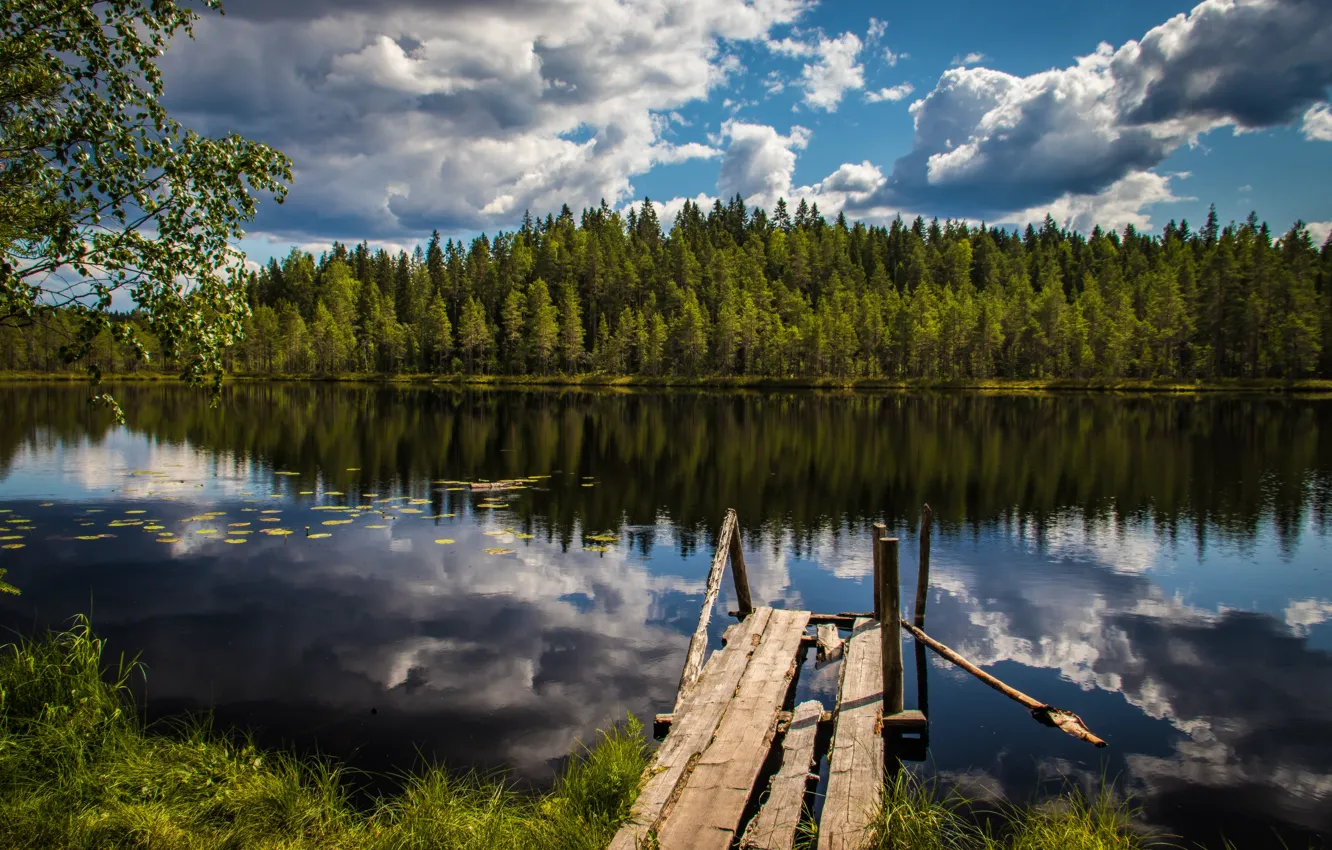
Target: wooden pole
[(890, 626), (698, 644), (923, 576), (879, 531), (1044, 713), (746, 605)]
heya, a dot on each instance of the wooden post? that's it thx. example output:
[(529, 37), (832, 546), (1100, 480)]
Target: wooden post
[(923, 576), (746, 605), (890, 626), (698, 644), (880, 530)]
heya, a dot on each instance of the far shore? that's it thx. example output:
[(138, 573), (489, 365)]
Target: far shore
[(1120, 385)]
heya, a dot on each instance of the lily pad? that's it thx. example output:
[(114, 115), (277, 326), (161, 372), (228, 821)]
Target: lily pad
[(376, 526), (238, 524), (337, 522), (205, 531), (13, 546), (596, 548), (234, 540), (444, 541), (319, 536), (498, 551)]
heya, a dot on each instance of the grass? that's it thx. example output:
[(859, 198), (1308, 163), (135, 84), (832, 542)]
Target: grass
[(79, 770), (912, 817)]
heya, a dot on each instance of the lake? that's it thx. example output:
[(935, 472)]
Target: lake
[(1161, 565)]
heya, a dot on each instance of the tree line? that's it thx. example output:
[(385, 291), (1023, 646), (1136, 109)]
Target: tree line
[(737, 291)]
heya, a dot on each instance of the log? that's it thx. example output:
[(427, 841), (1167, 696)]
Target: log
[(923, 574), (1043, 713), (890, 617), (738, 571), (698, 644)]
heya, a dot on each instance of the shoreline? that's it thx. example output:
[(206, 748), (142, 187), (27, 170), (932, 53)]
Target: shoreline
[(716, 382)]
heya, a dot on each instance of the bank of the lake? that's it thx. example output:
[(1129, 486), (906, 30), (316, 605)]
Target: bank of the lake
[(79, 770), (725, 382)]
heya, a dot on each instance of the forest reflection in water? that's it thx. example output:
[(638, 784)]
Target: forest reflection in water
[(1156, 563)]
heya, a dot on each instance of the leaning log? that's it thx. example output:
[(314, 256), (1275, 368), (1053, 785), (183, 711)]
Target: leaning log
[(698, 644), (1042, 712)]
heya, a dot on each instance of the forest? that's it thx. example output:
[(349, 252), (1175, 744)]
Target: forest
[(738, 291)]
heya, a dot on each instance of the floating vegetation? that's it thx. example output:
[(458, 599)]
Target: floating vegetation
[(318, 536), (337, 522), (276, 532), (492, 506), (495, 533), (604, 538), (168, 540), (454, 489), (136, 512), (334, 493), (444, 541), (596, 548), (419, 502), (307, 493), (153, 527), (124, 523), (498, 551), (271, 511), (369, 495), (240, 531), (409, 510), (286, 472), (525, 536), (89, 537), (12, 537), (234, 540), (589, 485), (205, 531), (238, 524), (353, 469), (47, 505), (270, 519), (376, 526)]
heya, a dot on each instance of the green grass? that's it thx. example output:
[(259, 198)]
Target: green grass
[(913, 817), (79, 770)]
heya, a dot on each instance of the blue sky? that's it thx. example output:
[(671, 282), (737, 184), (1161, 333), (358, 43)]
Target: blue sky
[(403, 116)]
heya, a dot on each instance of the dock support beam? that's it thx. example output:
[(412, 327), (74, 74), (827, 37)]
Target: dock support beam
[(923, 576), (745, 604), (890, 625)]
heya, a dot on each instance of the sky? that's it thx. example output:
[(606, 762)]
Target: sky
[(407, 116)]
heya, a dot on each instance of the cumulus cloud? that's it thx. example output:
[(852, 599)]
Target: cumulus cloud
[(1317, 124), (836, 71), (876, 30), (894, 93), (988, 143), (969, 59), (402, 116), (892, 58), (1319, 231), (759, 161)]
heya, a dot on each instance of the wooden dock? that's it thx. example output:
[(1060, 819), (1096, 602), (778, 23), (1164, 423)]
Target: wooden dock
[(739, 759)]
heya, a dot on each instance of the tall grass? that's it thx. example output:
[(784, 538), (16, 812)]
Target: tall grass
[(912, 817), (79, 770)]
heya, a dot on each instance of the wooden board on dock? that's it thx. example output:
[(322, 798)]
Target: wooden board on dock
[(855, 774), (774, 827)]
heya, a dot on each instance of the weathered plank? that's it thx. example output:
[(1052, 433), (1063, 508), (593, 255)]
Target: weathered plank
[(738, 571), (910, 720), (698, 644), (774, 827), (707, 814), (694, 724), (829, 642), (855, 774)]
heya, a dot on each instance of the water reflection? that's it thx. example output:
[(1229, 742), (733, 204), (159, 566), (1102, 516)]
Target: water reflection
[(1156, 564)]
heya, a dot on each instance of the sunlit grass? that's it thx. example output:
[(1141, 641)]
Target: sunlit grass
[(913, 816), (79, 770)]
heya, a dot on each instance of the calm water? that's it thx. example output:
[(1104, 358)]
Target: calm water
[(1162, 566)]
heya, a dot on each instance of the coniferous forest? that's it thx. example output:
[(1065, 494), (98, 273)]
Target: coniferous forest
[(738, 291)]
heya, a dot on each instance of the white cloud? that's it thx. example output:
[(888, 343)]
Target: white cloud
[(894, 93), (1318, 123), (1303, 614), (774, 84), (989, 143), (836, 70), (892, 58), (1319, 231), (969, 59), (876, 29), (1122, 203), (792, 48), (401, 118), (759, 161)]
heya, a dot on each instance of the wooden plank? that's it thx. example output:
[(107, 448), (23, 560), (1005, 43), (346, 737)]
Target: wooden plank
[(878, 531), (829, 642), (738, 571), (698, 644), (855, 775), (774, 827), (905, 721), (695, 721), (708, 812)]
